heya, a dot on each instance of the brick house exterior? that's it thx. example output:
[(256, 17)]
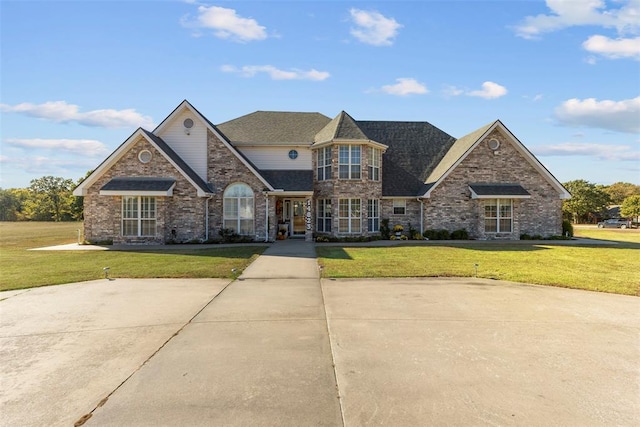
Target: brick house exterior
[(304, 174)]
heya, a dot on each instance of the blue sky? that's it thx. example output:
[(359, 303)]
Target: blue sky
[(78, 77)]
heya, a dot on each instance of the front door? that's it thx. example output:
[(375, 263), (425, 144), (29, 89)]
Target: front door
[(291, 216), (297, 215)]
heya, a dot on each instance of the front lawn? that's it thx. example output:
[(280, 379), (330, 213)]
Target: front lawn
[(21, 268), (607, 268)]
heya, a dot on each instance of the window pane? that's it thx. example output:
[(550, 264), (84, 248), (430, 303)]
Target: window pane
[(505, 225), (246, 208), (148, 227), (344, 155), (355, 154), (355, 225), (130, 227), (355, 208), (343, 225), (490, 225), (343, 208), (230, 208), (327, 225), (355, 172)]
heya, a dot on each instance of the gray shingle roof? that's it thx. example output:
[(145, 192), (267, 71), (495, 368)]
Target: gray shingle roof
[(139, 184), (499, 190), (415, 149), (341, 127), (289, 180), (270, 127)]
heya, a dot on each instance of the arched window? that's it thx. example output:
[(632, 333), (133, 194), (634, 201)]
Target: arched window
[(238, 208)]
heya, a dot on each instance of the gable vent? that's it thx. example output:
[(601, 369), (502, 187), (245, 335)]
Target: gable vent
[(493, 143)]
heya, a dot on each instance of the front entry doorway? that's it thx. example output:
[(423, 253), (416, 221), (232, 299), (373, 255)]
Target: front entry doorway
[(292, 217)]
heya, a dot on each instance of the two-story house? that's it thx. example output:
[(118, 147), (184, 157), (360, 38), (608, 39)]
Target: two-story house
[(306, 174)]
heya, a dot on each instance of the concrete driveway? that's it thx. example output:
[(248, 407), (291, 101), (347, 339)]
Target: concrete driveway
[(304, 351)]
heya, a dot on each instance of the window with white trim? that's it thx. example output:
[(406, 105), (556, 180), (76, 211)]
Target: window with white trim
[(498, 216), (138, 216), (238, 209), (399, 206), (349, 162), (374, 163), (373, 215), (349, 216), (323, 216), (324, 163)]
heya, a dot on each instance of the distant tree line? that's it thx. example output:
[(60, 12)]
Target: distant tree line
[(590, 202), (50, 199)]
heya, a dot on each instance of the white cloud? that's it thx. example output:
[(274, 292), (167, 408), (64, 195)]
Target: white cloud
[(599, 151), (405, 86), (61, 112), (44, 165), (449, 91), (227, 24), (490, 90), (86, 147), (613, 48), (277, 74), (619, 116), (569, 13), (373, 28)]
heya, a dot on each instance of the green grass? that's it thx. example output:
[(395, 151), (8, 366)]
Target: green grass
[(21, 268), (631, 235), (607, 268)]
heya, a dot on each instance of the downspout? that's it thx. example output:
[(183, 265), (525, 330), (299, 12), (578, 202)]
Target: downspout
[(206, 218), (421, 215)]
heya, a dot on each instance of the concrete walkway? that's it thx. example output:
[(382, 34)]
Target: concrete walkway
[(282, 347)]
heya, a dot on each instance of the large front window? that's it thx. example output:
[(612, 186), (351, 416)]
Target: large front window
[(349, 216), (324, 163), (238, 209), (324, 216), (498, 216), (349, 162), (374, 164), (138, 216), (373, 215)]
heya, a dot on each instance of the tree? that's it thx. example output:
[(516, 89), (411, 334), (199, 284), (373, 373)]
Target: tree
[(631, 207), (50, 199), (619, 191), (9, 205), (585, 198)]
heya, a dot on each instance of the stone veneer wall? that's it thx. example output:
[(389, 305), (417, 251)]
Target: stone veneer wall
[(183, 212), (410, 218), (223, 169), (451, 207), (336, 189)]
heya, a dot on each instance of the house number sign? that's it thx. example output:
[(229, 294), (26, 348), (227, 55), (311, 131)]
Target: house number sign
[(308, 215)]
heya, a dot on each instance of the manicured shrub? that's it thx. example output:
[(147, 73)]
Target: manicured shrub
[(385, 231), (461, 234), (443, 235), (437, 234), (567, 228)]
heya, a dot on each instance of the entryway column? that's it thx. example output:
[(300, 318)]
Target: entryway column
[(308, 219)]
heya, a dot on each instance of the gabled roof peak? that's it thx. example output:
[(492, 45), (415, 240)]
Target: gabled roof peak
[(342, 127)]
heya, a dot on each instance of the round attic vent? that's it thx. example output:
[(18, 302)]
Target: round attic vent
[(493, 143), (188, 123), (144, 156)]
